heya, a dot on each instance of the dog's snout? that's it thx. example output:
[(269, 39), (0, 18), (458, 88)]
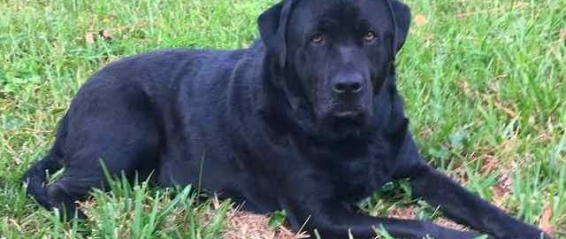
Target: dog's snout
[(348, 83)]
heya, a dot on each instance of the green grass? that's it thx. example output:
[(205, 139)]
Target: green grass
[(484, 83)]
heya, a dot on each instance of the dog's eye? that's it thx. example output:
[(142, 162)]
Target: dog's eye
[(317, 38), (369, 36)]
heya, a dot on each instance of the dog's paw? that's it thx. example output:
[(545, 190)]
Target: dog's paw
[(527, 233)]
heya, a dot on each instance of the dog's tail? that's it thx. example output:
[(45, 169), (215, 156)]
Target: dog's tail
[(35, 177)]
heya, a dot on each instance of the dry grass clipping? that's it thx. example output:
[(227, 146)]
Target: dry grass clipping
[(244, 225)]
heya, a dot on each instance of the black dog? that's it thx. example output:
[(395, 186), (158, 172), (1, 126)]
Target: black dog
[(307, 120)]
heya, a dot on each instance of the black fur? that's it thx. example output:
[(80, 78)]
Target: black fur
[(290, 123)]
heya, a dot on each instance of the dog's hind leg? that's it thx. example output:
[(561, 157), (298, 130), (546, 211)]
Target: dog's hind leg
[(122, 152), (118, 134)]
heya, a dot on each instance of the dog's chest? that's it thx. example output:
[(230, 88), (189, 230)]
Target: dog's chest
[(356, 177), (360, 179)]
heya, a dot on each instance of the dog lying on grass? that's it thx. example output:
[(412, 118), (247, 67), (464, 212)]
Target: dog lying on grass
[(308, 120)]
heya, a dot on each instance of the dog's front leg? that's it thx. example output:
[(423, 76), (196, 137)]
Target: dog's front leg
[(456, 202), (312, 203), (333, 221)]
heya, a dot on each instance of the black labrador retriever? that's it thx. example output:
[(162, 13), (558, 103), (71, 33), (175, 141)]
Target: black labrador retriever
[(307, 120)]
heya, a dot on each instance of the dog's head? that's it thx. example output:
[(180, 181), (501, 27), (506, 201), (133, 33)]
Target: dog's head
[(335, 56)]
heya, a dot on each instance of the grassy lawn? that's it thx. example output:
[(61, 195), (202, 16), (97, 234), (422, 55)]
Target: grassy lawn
[(484, 81)]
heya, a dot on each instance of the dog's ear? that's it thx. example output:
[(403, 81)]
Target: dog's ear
[(402, 14), (273, 27)]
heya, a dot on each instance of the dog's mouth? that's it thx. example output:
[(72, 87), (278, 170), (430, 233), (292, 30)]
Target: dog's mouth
[(347, 123), (347, 119), (348, 114), (344, 120)]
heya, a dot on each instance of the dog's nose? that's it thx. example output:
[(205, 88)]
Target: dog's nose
[(348, 84)]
